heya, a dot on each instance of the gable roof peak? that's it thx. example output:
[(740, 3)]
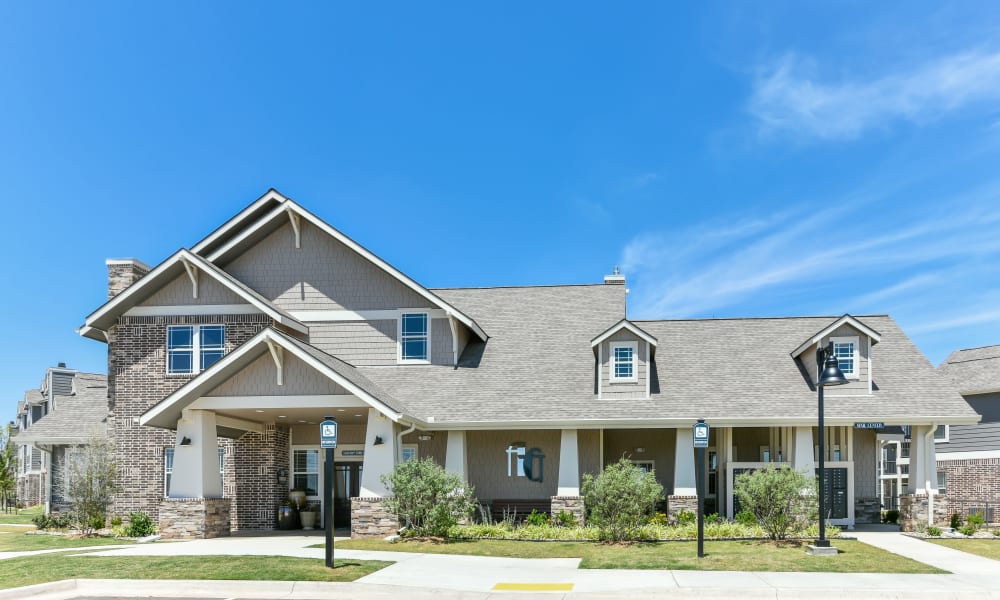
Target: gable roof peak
[(177, 264), (847, 319), (623, 324)]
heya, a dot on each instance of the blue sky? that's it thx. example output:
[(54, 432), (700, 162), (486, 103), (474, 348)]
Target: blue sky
[(736, 159)]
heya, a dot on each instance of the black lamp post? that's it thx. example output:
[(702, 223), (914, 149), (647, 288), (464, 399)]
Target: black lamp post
[(831, 375)]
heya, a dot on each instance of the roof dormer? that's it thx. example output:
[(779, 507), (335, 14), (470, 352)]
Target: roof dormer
[(851, 341), (624, 353)]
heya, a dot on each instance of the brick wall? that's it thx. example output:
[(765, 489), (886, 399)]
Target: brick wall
[(137, 380), (257, 458), (972, 484)]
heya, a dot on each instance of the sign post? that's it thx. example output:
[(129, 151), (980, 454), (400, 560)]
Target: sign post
[(700, 444), (328, 441)]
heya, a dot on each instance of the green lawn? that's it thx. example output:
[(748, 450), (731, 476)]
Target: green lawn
[(854, 556), (21, 542), (990, 548), (53, 567), (21, 517)]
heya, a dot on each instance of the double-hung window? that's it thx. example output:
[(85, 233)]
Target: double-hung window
[(623, 362), (414, 337), (193, 348), (845, 349)]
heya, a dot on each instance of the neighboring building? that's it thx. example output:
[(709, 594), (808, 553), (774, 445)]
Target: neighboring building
[(969, 455), (67, 407), (224, 358)]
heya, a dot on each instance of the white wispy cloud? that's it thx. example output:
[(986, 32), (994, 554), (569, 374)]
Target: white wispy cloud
[(713, 267), (790, 97)]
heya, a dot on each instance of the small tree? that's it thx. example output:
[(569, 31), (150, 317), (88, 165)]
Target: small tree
[(621, 499), (782, 499), (91, 482), (8, 466), (427, 499)]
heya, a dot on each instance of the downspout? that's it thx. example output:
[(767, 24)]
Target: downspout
[(399, 441), (929, 439)]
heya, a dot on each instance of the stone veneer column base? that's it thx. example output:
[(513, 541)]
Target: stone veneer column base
[(913, 510), (369, 518), (194, 518), (676, 504), (571, 504)]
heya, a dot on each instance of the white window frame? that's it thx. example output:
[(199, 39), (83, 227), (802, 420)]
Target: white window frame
[(168, 470), (947, 434), (849, 339), (196, 349), (646, 463), (319, 469), (612, 377), (942, 476), (407, 448), (399, 337)]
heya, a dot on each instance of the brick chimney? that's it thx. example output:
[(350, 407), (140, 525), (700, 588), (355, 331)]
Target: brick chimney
[(615, 278), (123, 272)]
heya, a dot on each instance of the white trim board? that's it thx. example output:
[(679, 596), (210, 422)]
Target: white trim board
[(319, 316), (192, 310), (255, 402), (844, 320), (977, 455)]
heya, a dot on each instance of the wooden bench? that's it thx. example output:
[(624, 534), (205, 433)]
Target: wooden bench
[(518, 509)]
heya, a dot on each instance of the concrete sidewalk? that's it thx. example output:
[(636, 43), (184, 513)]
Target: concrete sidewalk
[(942, 557), (453, 576)]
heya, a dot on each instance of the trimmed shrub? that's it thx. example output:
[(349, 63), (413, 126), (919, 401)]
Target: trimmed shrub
[(621, 500), (780, 498), (933, 531), (564, 519), (426, 499), (956, 520), (139, 525), (536, 518)]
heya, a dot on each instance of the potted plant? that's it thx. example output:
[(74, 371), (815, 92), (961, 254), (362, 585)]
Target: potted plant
[(308, 516), (297, 497)]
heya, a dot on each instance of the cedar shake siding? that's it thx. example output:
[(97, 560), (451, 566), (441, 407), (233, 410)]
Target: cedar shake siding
[(322, 274), (629, 389), (179, 292), (260, 378)]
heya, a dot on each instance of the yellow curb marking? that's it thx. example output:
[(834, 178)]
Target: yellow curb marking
[(535, 587)]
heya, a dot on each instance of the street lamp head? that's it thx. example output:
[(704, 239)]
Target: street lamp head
[(831, 375)]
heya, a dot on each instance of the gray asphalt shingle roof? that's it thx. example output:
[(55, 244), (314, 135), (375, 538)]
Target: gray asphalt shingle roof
[(76, 415), (974, 370), (348, 372), (538, 365)]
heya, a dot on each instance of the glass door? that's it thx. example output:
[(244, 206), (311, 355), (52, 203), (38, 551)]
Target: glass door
[(347, 485)]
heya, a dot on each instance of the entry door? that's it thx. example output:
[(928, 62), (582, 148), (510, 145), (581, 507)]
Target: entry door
[(347, 485)]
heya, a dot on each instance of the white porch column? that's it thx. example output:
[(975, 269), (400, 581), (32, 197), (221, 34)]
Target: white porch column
[(380, 458), (923, 460), (196, 465), (455, 458), (569, 464), (803, 460), (684, 479)]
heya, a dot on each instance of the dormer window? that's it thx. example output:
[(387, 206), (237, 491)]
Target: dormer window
[(623, 362), (846, 351), (414, 337)]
